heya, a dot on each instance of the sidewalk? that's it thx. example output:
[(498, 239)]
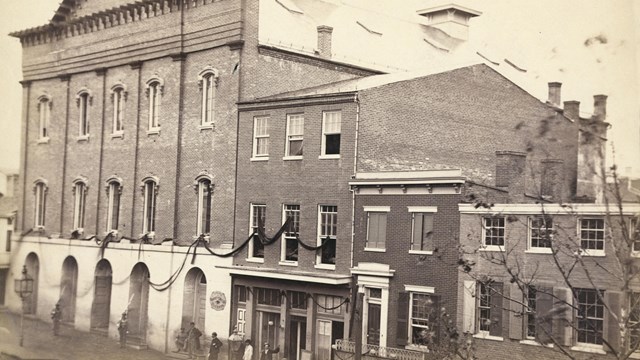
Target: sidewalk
[(40, 344)]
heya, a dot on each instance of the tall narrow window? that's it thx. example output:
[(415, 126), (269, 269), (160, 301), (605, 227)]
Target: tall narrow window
[(590, 316), (295, 131), (530, 311), (44, 110), (208, 97), (80, 195), (484, 307), (258, 216), (118, 96), (149, 212), (291, 233), (422, 231), (634, 234), (327, 231), (114, 190), (40, 192), (83, 110), (154, 94), (376, 228), (204, 207), (261, 137), (634, 321), (331, 129)]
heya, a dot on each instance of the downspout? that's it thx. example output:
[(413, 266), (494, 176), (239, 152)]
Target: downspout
[(66, 78), (355, 168), (102, 72)]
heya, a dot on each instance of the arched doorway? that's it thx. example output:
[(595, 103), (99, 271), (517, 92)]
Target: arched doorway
[(68, 289), (101, 297), (194, 301), (33, 269), (138, 302)]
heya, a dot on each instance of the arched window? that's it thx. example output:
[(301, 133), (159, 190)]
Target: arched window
[(44, 111), (208, 80), (149, 191), (155, 89), (114, 190), (204, 189), (40, 201), (118, 97), (84, 100), (80, 196)]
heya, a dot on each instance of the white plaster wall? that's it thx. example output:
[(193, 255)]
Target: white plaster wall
[(164, 308)]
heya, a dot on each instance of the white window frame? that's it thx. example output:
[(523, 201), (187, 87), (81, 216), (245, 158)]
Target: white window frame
[(291, 136), (634, 235), (548, 223), (375, 210), (425, 210), (40, 204), (410, 345), (250, 255), (484, 246), (325, 132), (583, 345), (44, 118), (154, 92), (208, 81), (203, 184), (118, 98), (114, 190), (593, 252), (530, 310), (285, 237), (319, 263), (479, 324), (262, 136), (79, 204), (150, 194)]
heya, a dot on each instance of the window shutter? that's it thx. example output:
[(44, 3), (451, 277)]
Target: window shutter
[(562, 324), (402, 319), (496, 309), (544, 315), (613, 300), (428, 232), (469, 307), (517, 314)]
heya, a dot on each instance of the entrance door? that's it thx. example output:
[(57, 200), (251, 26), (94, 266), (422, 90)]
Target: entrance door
[(102, 296), (297, 337), (68, 287), (328, 332), (33, 270), (194, 300), (269, 329), (138, 302), (373, 324)]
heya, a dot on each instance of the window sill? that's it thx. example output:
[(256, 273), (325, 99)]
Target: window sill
[(417, 347), (535, 343), (255, 260), (263, 158), (154, 131), (206, 127), (538, 251), (589, 348), (375, 250), (82, 138), (328, 157), (486, 336), (592, 253), (44, 140), (492, 248), (288, 263), (421, 252), (324, 266), (289, 158), (117, 135), (206, 237)]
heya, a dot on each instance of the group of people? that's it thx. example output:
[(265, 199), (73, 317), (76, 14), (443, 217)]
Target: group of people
[(189, 340)]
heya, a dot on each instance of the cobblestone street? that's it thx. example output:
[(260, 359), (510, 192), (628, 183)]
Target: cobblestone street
[(39, 343)]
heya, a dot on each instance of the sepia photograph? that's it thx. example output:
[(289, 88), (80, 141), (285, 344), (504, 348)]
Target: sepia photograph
[(320, 180)]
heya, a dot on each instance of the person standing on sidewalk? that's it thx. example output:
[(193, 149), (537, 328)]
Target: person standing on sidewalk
[(123, 329), (236, 343), (193, 340), (248, 350), (214, 349), (56, 316)]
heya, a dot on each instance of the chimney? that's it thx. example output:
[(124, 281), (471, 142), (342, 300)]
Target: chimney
[(451, 18), (552, 179), (510, 171), (600, 107), (572, 110), (554, 93), (324, 41)]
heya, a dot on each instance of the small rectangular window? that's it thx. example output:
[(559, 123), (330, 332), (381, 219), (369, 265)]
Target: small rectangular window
[(261, 137), (258, 217), (327, 231), (493, 234), (540, 232), (376, 230), (422, 232), (295, 131), (592, 236), (269, 296), (240, 293), (331, 132), (298, 300)]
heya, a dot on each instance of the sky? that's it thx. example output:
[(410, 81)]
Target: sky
[(591, 46)]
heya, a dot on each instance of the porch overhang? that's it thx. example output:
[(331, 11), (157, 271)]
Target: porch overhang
[(268, 273)]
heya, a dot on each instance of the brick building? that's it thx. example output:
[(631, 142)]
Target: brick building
[(8, 210)]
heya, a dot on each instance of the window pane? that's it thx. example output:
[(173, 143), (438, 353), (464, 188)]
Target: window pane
[(332, 144), (295, 147), (258, 217)]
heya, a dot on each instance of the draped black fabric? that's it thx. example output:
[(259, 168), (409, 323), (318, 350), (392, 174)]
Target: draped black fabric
[(265, 240), (314, 248), (232, 252)]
